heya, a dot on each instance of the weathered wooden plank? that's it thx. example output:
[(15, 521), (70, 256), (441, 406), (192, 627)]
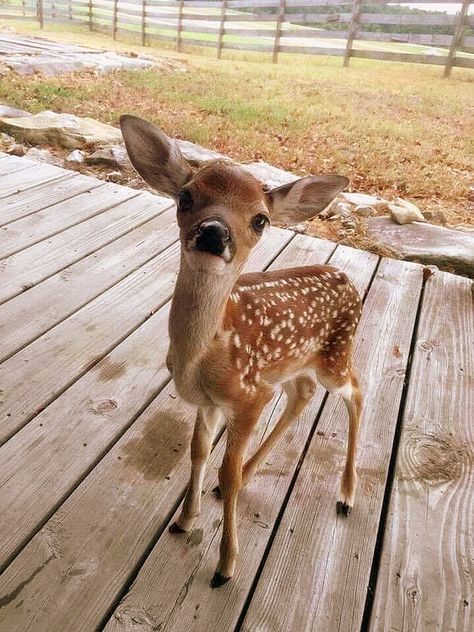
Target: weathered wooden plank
[(43, 195), (28, 315), (13, 164), (34, 228), (27, 178), (174, 606), (112, 390), (318, 568), (391, 56), (42, 371), (416, 19), (457, 37), (425, 577), (121, 476), (356, 9), (31, 266)]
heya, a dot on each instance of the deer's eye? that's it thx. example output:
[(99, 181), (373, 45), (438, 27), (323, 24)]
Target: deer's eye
[(258, 222), (185, 201)]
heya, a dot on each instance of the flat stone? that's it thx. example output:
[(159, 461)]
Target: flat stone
[(65, 130), (196, 154), (114, 156), (363, 199), (426, 243), (271, 176), (7, 112)]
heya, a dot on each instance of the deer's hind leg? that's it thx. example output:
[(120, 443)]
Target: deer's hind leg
[(347, 386), (298, 391)]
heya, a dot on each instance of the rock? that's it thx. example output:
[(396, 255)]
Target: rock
[(114, 156), (196, 154), (7, 140), (405, 214), (43, 155), (426, 243), (362, 199), (16, 150), (269, 175), (7, 112), (337, 209), (298, 228), (365, 211), (65, 130), (76, 156), (435, 216), (114, 176)]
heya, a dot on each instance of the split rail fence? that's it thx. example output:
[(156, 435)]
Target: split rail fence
[(314, 27)]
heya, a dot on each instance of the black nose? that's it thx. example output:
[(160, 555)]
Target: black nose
[(212, 237)]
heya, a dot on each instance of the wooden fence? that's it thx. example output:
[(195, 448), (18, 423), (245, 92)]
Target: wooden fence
[(314, 27)]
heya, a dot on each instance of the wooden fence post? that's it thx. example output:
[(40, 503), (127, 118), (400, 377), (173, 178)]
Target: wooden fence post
[(180, 26), (70, 9), (90, 15), (114, 21), (457, 37), (280, 19), (39, 13), (220, 38), (356, 7), (143, 22)]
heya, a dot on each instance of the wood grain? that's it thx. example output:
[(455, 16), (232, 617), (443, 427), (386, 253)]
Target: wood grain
[(43, 195), (27, 268), (34, 228), (39, 373), (28, 315), (104, 403), (29, 177), (427, 566), (318, 567), (186, 601)]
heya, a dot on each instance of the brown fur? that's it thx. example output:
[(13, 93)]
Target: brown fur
[(234, 340)]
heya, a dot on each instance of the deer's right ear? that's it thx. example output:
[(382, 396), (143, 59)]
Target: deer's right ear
[(155, 156)]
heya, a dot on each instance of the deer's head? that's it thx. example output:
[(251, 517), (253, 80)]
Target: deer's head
[(222, 209)]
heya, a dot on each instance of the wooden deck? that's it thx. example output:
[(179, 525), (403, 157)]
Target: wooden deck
[(94, 442)]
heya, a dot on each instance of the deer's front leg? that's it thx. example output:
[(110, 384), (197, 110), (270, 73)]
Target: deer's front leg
[(230, 481), (207, 420)]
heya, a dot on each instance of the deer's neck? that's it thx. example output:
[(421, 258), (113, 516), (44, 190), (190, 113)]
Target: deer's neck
[(196, 316)]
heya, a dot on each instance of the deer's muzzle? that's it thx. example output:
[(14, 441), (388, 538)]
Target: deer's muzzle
[(214, 237)]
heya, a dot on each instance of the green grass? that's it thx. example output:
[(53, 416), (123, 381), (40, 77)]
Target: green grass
[(394, 129)]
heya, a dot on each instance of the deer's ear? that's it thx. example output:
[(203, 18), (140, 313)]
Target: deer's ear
[(155, 156), (304, 198)]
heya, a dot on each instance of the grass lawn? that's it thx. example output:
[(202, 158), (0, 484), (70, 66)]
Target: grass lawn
[(394, 129)]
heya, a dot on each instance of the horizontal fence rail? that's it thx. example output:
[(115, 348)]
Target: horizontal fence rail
[(370, 30)]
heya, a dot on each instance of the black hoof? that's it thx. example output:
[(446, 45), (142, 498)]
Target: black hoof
[(218, 580), (217, 492), (175, 528), (343, 508)]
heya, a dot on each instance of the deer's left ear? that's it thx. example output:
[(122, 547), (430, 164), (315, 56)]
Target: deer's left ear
[(304, 198)]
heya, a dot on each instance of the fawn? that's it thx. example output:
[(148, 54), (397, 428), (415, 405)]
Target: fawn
[(235, 339)]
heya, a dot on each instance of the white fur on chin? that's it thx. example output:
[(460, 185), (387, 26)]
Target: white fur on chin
[(205, 262)]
